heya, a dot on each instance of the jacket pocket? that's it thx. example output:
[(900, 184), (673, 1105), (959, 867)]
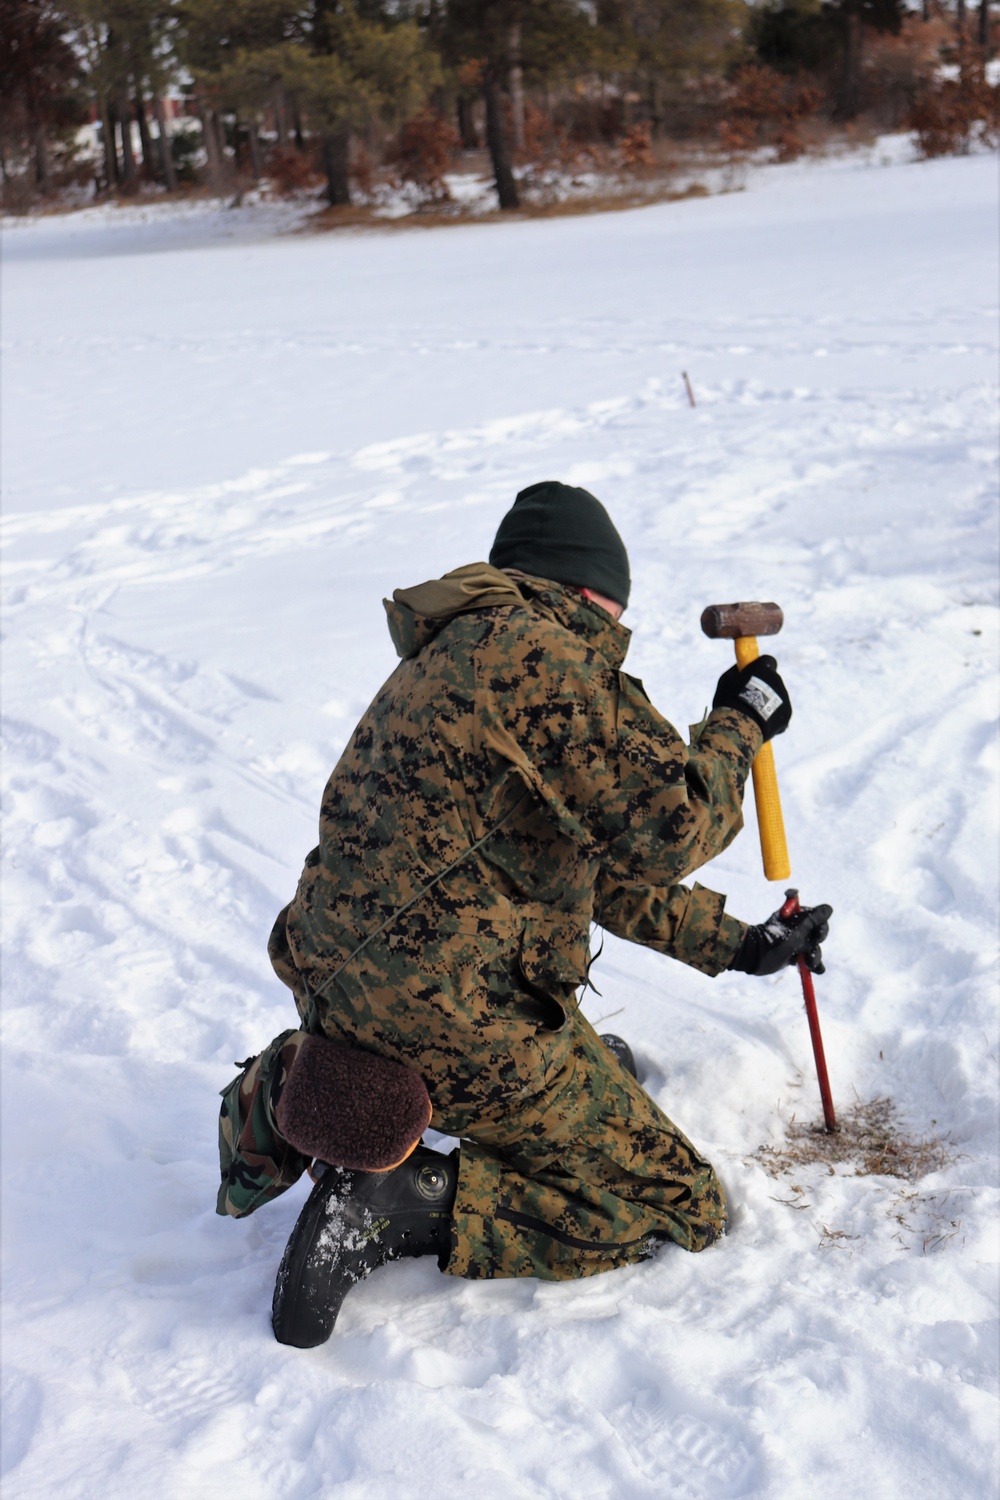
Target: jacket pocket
[(553, 961)]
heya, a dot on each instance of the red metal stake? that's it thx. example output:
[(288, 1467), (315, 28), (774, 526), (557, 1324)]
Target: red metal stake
[(789, 909)]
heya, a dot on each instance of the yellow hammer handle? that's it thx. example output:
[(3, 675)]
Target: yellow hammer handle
[(771, 824)]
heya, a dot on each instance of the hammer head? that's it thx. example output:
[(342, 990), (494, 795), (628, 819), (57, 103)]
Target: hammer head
[(730, 622)]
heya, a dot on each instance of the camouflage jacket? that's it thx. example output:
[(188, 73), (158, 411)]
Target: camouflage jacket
[(508, 786)]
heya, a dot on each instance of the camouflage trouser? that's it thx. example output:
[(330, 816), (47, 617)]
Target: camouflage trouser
[(582, 1175), (588, 1177), (257, 1162)]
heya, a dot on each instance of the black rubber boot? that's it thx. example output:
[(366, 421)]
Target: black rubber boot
[(352, 1223), (620, 1047)]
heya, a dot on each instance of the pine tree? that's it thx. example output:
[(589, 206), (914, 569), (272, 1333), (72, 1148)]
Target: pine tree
[(39, 81), (364, 64), (509, 40), (660, 43), (235, 52), (126, 47), (809, 33), (335, 65)]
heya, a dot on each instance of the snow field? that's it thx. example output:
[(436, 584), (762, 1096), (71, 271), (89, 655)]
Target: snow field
[(217, 461)]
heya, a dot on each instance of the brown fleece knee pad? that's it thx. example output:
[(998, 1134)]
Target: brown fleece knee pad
[(352, 1108)]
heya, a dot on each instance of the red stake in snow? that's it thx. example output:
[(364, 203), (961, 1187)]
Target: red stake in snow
[(789, 909)]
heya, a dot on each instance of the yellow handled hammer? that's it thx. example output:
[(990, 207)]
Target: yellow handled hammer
[(743, 623)]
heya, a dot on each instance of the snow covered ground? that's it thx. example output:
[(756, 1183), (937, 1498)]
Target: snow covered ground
[(219, 454)]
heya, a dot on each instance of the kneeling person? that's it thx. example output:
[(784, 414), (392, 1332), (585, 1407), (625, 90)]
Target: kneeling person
[(509, 786)]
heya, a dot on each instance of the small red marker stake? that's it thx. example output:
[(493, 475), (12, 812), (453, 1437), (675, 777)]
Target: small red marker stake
[(789, 909)]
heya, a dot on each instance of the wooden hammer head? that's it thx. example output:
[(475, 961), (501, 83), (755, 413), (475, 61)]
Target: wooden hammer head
[(730, 622)]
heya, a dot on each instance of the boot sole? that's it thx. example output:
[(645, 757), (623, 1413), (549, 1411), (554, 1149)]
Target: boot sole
[(380, 1221), (306, 1303)]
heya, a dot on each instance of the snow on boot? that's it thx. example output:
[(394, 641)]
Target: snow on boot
[(352, 1223), (620, 1047)]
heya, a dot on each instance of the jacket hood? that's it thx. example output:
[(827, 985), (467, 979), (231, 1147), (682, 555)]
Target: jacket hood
[(417, 614)]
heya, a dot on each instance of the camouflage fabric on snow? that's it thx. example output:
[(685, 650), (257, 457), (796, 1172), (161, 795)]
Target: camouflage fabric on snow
[(509, 751), (257, 1162)]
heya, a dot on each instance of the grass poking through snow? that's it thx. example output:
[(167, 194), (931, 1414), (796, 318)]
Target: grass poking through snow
[(868, 1137), (871, 1140)]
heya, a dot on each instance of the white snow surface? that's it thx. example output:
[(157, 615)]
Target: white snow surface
[(219, 454)]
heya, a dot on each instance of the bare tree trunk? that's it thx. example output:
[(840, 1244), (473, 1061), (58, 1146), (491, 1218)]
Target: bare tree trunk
[(110, 149), (297, 130), (128, 155), (960, 20), (849, 101), (496, 138), (166, 154), (219, 129), (256, 166), (336, 155), (984, 25), (467, 123), (515, 83), (281, 120), (216, 176), (148, 169), (109, 55), (41, 159), (655, 106)]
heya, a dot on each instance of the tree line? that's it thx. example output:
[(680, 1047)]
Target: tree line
[(274, 80)]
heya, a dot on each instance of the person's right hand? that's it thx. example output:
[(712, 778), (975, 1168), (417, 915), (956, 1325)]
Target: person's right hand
[(781, 940)]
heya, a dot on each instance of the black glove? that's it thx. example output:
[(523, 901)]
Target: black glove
[(757, 691), (779, 941)]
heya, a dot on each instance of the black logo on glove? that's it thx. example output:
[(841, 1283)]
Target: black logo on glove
[(759, 692)]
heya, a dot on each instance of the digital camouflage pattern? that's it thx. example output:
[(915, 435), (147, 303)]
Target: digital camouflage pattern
[(587, 1175), (508, 786)]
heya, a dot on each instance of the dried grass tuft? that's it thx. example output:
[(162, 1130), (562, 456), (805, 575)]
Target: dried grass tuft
[(869, 1137)]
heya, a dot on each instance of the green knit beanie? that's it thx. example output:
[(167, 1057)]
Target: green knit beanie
[(560, 532)]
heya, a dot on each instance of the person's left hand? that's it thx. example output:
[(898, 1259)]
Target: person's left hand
[(757, 691)]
